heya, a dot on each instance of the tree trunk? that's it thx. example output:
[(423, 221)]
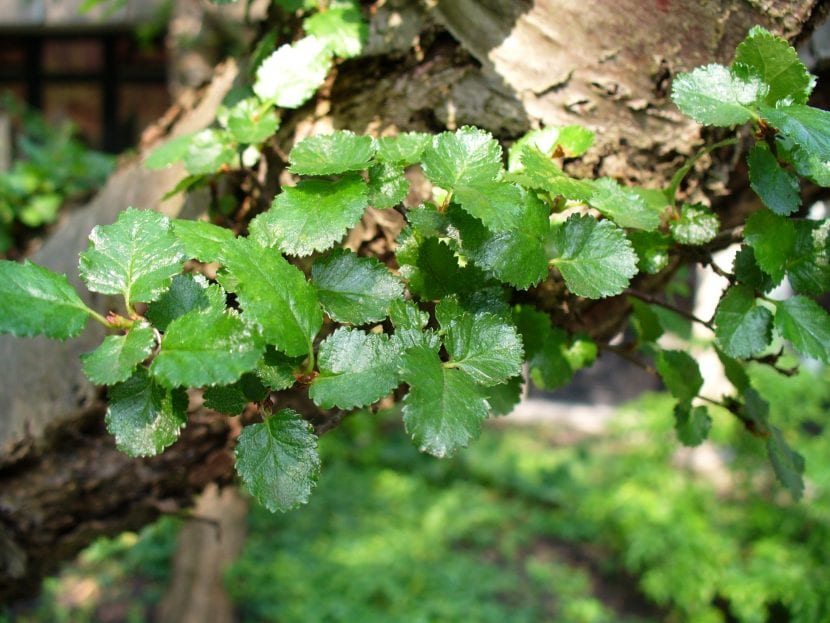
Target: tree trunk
[(504, 66)]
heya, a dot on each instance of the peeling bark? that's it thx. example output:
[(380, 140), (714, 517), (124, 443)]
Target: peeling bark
[(62, 482)]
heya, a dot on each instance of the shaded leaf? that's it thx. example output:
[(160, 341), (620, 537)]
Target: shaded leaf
[(680, 374), (187, 292), (742, 327), (777, 188), (787, 463), (692, 424)]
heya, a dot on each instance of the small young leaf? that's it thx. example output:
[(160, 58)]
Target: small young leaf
[(444, 407), (342, 29), (777, 188), (772, 239), (645, 321), (433, 272), (387, 186), (540, 172), (805, 323), (232, 399), (118, 355), (697, 225), (713, 95), (311, 216), (208, 151), (205, 347), (625, 207), (249, 121), (136, 256), (776, 63), (691, 423), (803, 125), (680, 373), (403, 149), (144, 417), (201, 240), (356, 369), (652, 250), (292, 74), (278, 461), (274, 295), (743, 328), (326, 154), (187, 292), (486, 348), (786, 462), (36, 301), (354, 289), (594, 257), (466, 158), (168, 153)]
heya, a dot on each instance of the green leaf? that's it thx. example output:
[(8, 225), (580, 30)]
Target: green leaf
[(805, 126), (804, 322), (116, 358), (540, 172), (595, 258), (697, 225), (275, 295), (545, 346), (808, 267), (786, 462), (714, 95), (187, 292), (311, 216), (692, 424), (353, 289), (249, 121), (325, 154), (444, 407), (516, 256), (208, 152), (777, 64), (504, 397), (645, 321), (205, 347), (772, 239), (276, 370), (777, 188), (409, 323), (143, 416), (734, 370), (466, 158), (387, 186), (496, 204), (743, 328), (433, 273), (168, 153), (488, 349), (403, 149), (232, 399), (136, 256), (625, 207), (652, 250), (356, 369), (748, 272), (36, 301), (278, 461), (680, 374), (201, 240), (343, 30), (805, 162), (292, 74)]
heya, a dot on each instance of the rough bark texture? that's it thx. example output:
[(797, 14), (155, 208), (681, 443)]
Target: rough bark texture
[(501, 65)]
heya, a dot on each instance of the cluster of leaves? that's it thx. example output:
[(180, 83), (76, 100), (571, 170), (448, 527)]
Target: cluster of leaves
[(51, 166), (285, 78), (444, 319)]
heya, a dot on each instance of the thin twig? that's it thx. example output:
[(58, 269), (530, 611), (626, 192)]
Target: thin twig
[(648, 298)]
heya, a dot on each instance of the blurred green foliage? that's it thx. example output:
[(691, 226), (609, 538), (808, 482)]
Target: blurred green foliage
[(526, 525), (50, 167)]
